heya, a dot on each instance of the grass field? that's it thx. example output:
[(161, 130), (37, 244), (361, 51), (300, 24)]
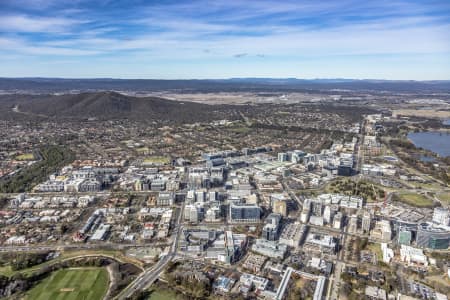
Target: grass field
[(427, 113), (444, 197), (7, 271), (162, 294), (156, 160), (240, 129), (26, 156), (72, 284), (143, 150), (414, 199)]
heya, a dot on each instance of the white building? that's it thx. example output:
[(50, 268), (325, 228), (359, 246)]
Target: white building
[(366, 221), (337, 221), (271, 249), (16, 240), (249, 280), (382, 231), (441, 216), (327, 214), (291, 234), (410, 255), (388, 253)]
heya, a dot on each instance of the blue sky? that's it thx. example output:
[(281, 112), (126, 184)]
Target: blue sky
[(383, 39)]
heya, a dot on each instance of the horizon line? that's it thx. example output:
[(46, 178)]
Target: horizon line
[(226, 78)]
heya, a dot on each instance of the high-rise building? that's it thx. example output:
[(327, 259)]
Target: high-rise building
[(327, 214), (193, 213), (337, 220), (213, 196), (272, 227), (242, 213), (366, 221), (353, 223), (306, 211), (165, 198), (434, 237), (317, 208), (282, 157), (382, 231)]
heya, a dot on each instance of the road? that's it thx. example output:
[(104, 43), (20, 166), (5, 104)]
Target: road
[(76, 246), (334, 283), (148, 277), (292, 194)]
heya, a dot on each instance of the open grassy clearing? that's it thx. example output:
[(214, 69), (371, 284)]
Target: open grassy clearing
[(413, 199), (161, 293), (72, 284), (427, 113), (444, 197), (156, 160), (26, 156), (420, 185), (6, 271), (142, 150), (239, 129)]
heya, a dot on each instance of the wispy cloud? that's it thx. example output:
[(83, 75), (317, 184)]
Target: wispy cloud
[(204, 31), (23, 23)]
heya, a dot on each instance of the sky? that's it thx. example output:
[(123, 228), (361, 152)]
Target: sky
[(382, 39)]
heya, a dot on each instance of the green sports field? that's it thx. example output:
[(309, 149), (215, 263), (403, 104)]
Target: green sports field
[(72, 284), (26, 156)]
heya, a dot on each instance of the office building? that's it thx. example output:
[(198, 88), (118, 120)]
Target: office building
[(382, 231), (441, 216), (353, 224), (404, 237), (433, 237), (282, 157), (306, 211), (320, 242), (165, 198), (317, 208), (194, 213), (271, 249), (272, 227), (327, 214), (337, 220), (158, 185), (410, 255), (244, 213), (366, 222), (292, 234)]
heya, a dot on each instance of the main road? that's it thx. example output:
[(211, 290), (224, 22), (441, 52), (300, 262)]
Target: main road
[(146, 279)]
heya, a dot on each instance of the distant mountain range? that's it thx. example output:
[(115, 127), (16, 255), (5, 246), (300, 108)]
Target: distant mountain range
[(59, 85), (109, 106)]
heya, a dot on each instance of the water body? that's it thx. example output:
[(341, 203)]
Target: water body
[(437, 142)]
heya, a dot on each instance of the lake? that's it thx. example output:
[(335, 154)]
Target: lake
[(437, 142)]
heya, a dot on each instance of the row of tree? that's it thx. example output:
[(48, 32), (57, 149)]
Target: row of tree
[(23, 260)]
